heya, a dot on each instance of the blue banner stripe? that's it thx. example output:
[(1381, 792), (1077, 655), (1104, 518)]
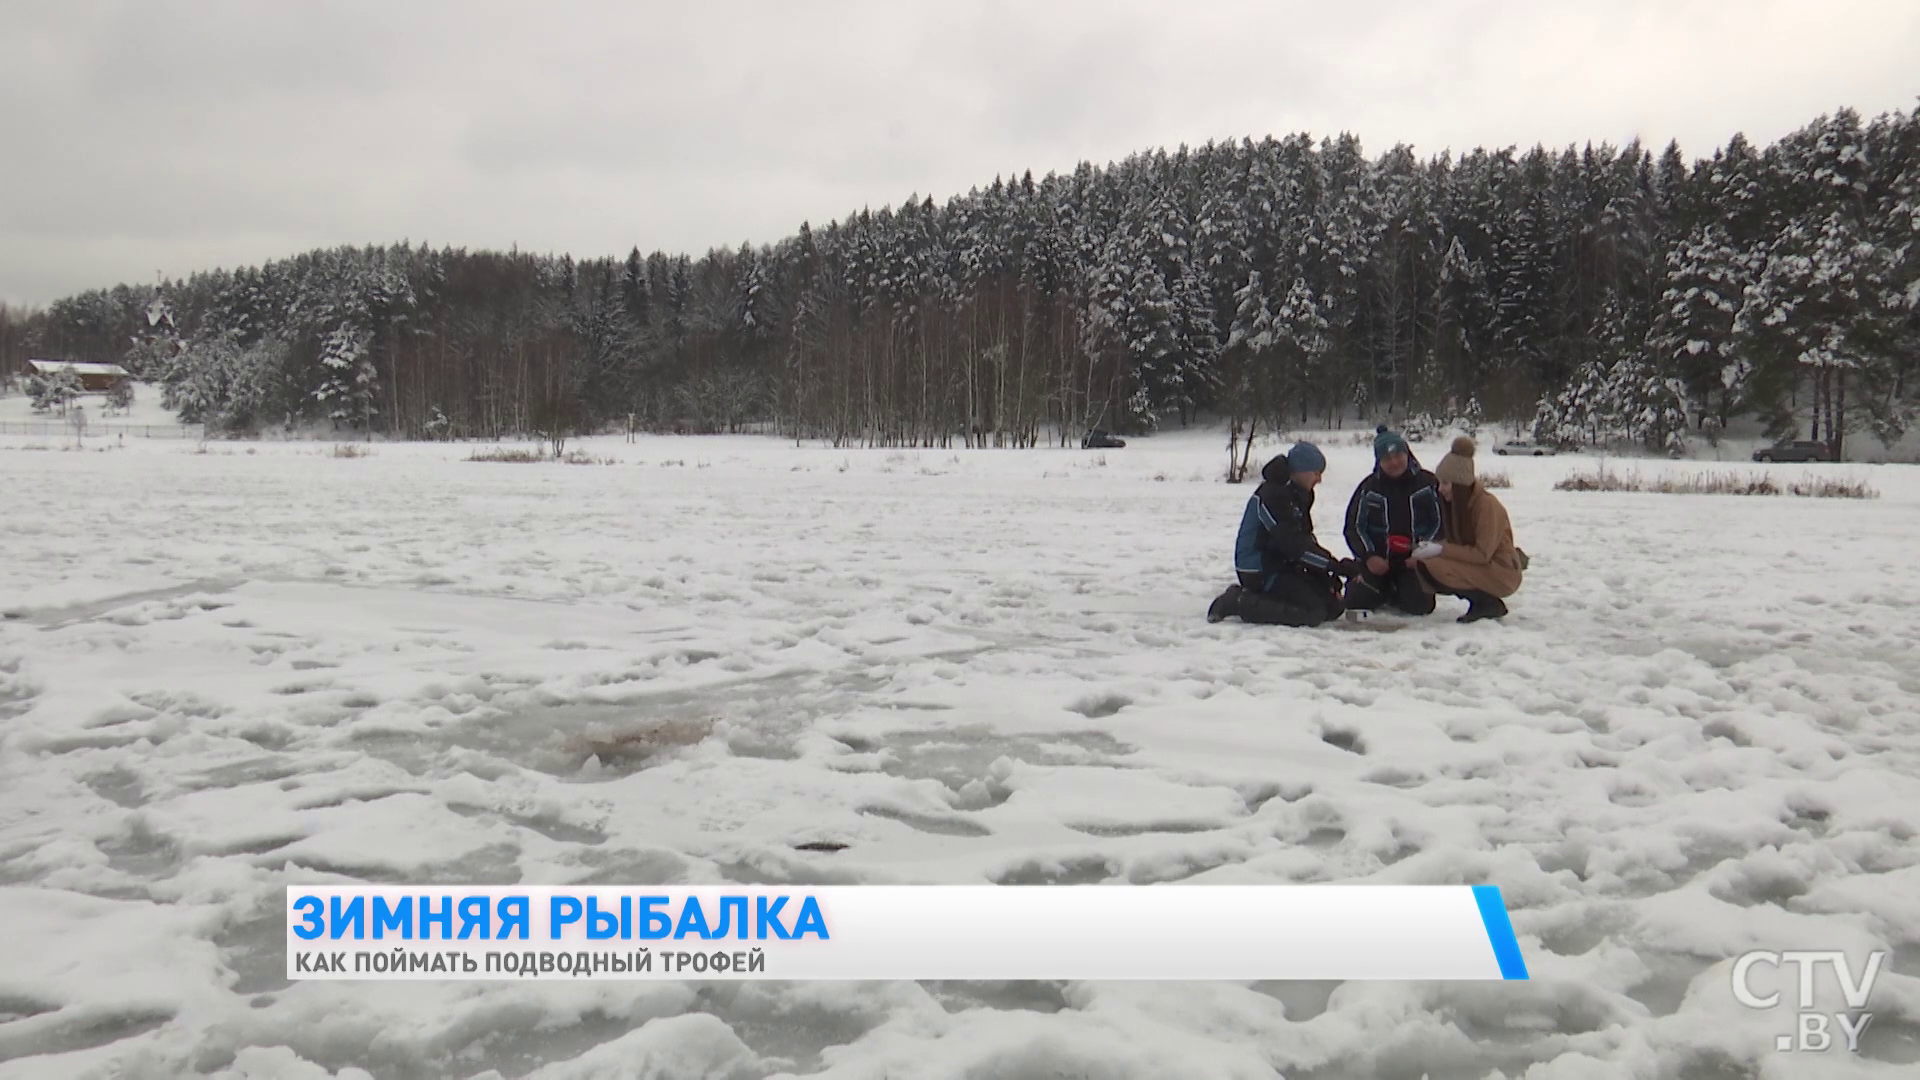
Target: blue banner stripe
[(1506, 948)]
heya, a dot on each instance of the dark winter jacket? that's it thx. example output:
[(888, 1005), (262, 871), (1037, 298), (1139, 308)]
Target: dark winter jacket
[(1383, 506), (1276, 531)]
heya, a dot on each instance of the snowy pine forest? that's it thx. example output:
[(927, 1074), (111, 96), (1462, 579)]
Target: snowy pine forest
[(1605, 295)]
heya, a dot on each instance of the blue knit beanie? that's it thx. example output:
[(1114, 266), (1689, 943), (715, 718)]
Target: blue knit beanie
[(1306, 457)]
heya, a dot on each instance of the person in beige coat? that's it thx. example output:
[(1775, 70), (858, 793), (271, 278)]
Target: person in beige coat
[(1475, 557)]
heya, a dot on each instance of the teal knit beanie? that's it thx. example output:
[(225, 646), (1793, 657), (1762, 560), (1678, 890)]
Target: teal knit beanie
[(1387, 442)]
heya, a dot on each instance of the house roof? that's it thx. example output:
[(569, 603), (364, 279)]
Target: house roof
[(46, 367)]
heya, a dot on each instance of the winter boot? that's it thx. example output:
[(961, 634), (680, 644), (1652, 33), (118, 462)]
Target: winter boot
[(1481, 605), (1227, 603)]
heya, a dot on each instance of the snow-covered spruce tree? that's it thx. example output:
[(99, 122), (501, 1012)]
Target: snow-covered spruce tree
[(1126, 320), (1645, 406), (157, 342), (600, 327), (1828, 320), (1574, 415), (1429, 392), (346, 392), (1405, 241), (1692, 336), (758, 329), (1641, 403), (1894, 392), (1586, 411), (1462, 321), (1244, 385), (1470, 417), (1149, 328), (1521, 286), (1151, 331), (181, 384), (1823, 313), (1180, 378), (1421, 425), (217, 381), (1345, 371), (55, 391), (1302, 340)]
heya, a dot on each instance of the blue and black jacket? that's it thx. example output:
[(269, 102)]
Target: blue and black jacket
[(1276, 532), (1383, 506)]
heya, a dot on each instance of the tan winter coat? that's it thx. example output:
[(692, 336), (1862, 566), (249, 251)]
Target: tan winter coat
[(1491, 564)]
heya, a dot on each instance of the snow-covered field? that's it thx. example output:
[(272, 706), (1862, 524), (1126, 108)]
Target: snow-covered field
[(262, 664), (145, 416)]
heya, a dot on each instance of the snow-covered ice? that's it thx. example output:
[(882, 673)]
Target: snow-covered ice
[(719, 660)]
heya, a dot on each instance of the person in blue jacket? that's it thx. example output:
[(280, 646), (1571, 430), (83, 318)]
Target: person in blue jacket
[(1393, 511), (1285, 577)]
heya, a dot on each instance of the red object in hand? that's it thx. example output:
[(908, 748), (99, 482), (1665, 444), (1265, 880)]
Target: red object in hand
[(1400, 545)]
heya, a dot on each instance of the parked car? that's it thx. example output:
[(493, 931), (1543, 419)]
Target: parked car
[(1793, 450), (1100, 440), (1524, 448)]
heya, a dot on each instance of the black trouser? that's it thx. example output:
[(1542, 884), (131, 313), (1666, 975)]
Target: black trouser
[(1400, 588), (1289, 598)]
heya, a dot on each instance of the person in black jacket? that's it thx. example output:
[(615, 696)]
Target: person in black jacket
[(1285, 576), (1393, 511)]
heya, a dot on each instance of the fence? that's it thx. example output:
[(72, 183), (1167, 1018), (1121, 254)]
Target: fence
[(62, 429)]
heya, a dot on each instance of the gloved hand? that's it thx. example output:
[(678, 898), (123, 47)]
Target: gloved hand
[(1428, 550), (1347, 568)]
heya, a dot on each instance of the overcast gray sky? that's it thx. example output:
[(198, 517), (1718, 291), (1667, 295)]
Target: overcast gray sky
[(159, 137)]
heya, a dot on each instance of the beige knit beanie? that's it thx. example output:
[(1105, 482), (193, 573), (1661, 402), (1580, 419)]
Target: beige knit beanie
[(1457, 467)]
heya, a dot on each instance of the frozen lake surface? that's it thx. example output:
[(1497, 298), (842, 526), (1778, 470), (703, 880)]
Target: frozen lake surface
[(718, 660)]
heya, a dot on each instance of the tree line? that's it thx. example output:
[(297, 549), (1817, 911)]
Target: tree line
[(1599, 295)]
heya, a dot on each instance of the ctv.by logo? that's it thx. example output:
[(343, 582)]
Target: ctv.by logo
[(1814, 1029)]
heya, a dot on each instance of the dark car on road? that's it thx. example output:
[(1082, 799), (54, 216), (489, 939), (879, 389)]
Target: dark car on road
[(1100, 440), (1795, 450)]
